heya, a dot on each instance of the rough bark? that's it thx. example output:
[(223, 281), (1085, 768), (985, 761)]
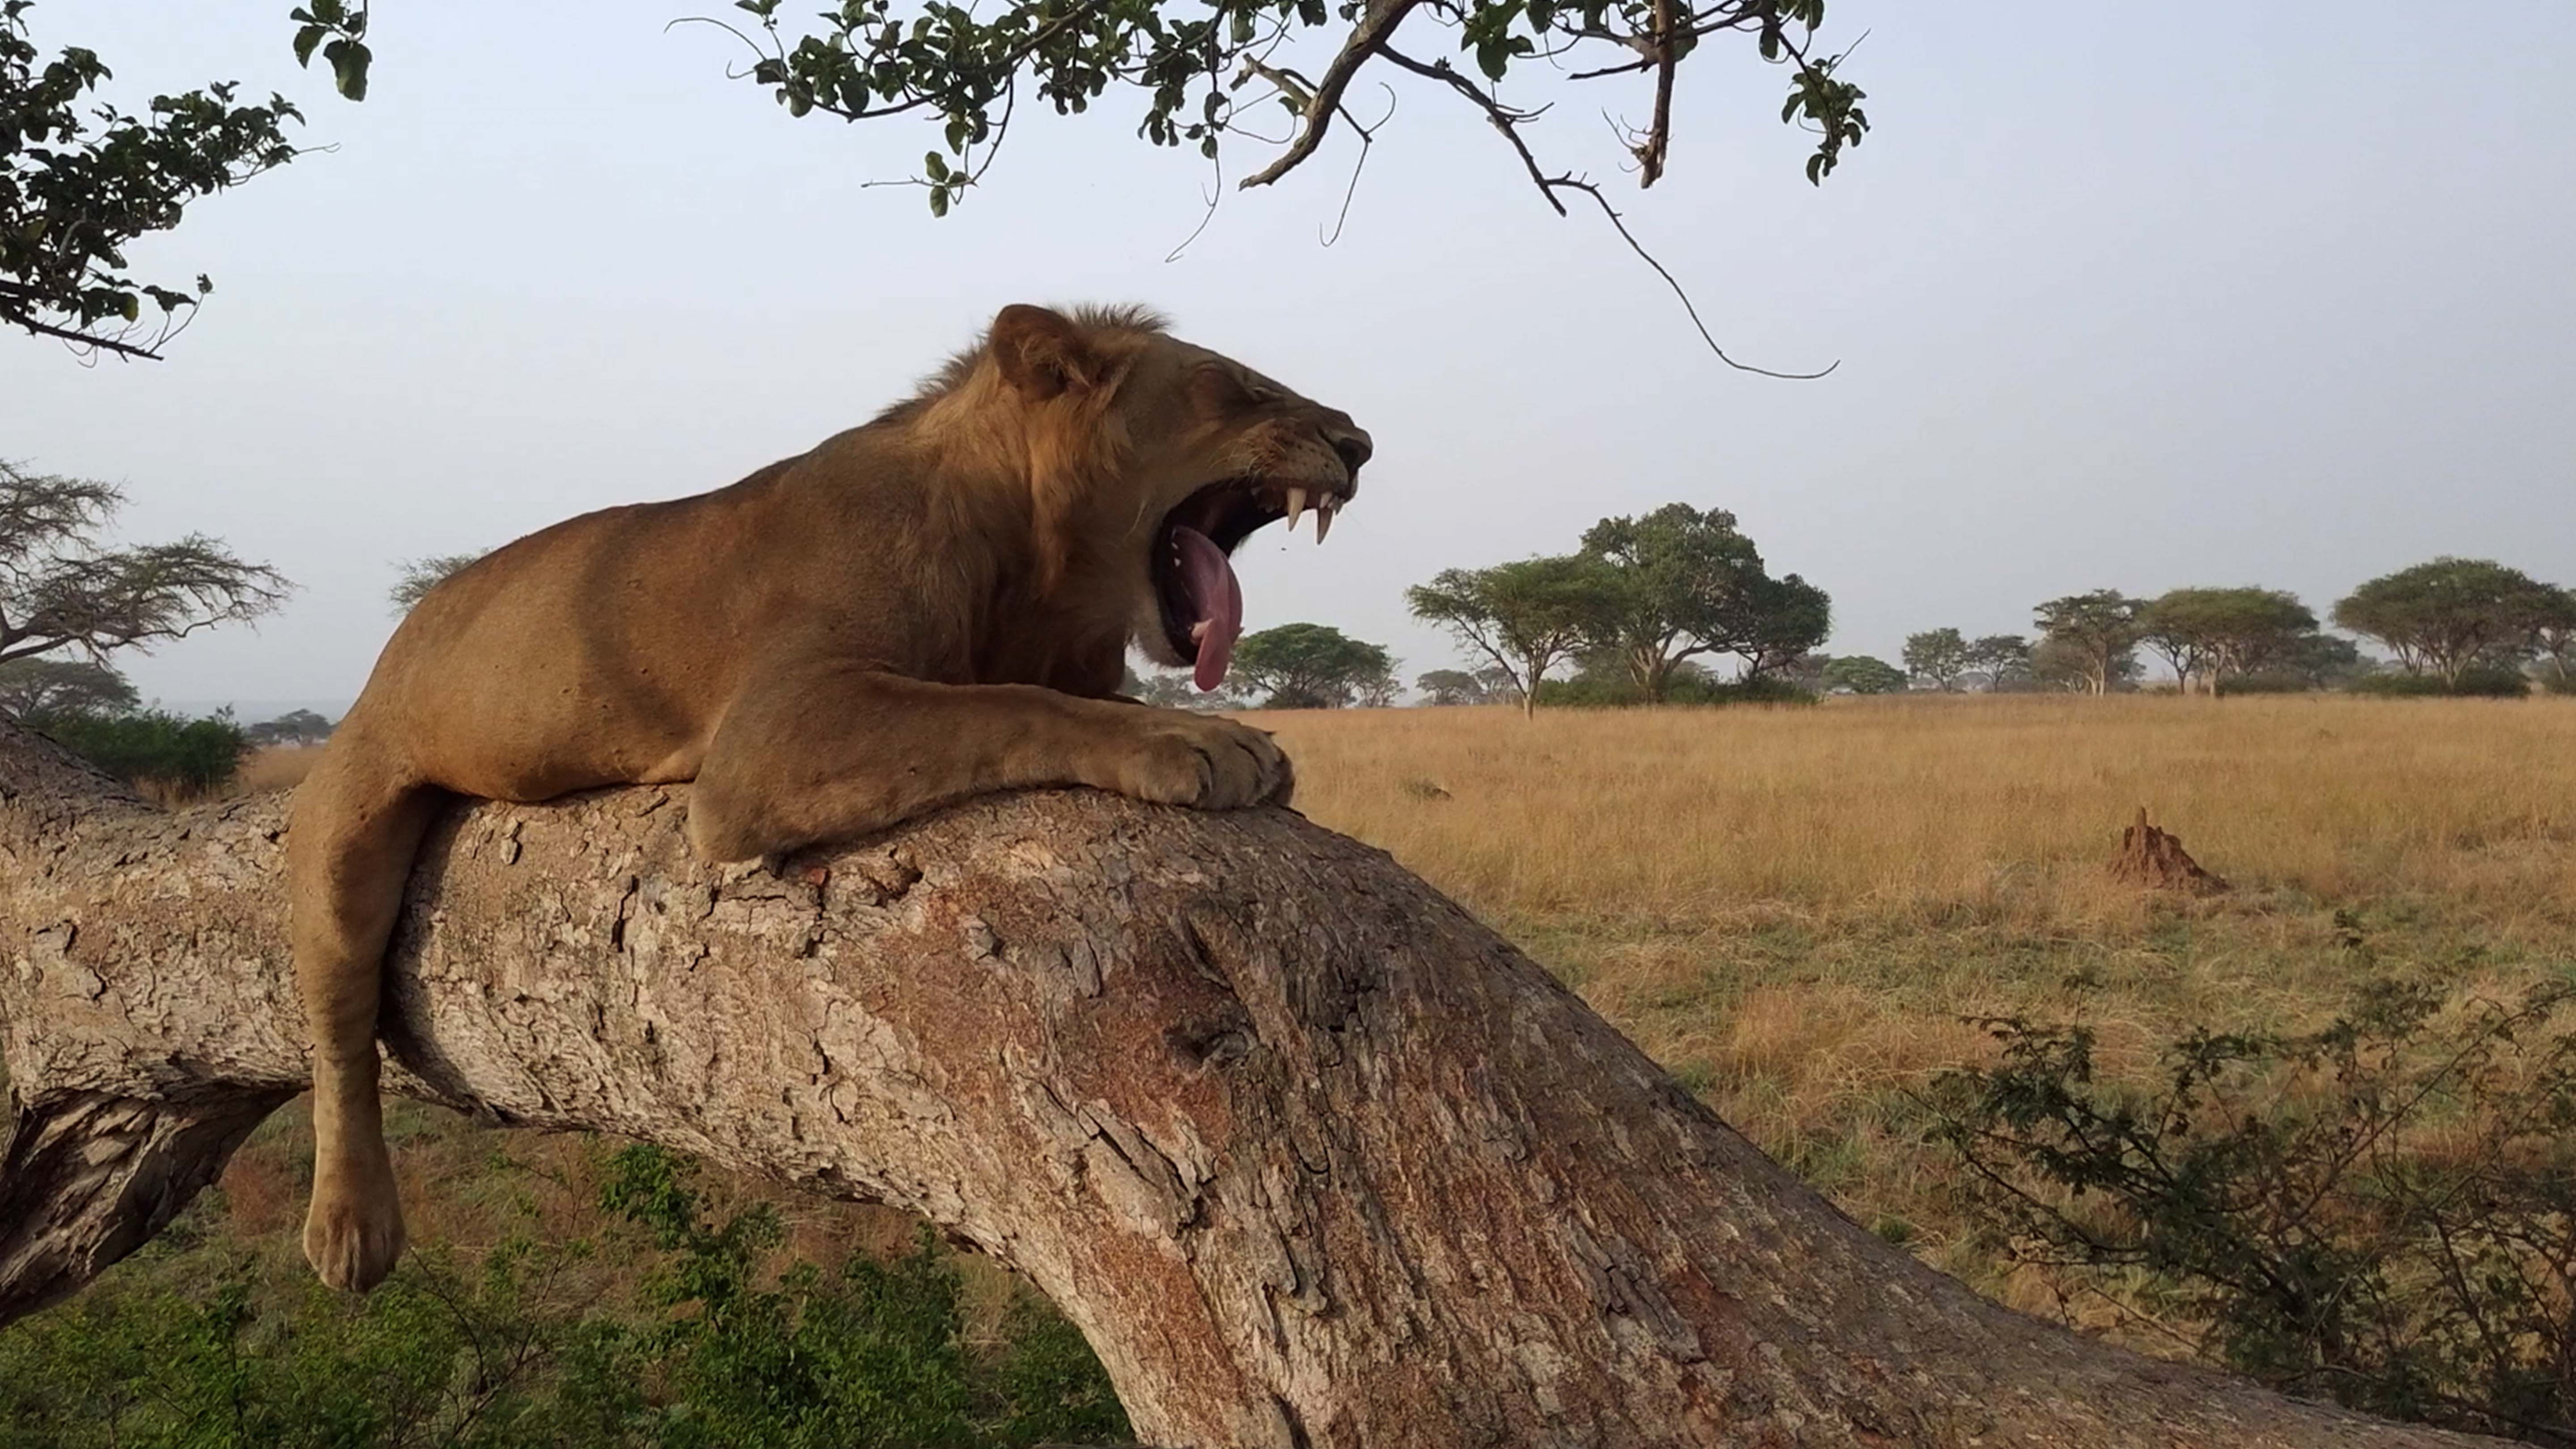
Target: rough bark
[(1311, 1157)]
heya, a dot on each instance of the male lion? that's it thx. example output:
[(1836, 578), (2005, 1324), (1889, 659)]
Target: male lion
[(932, 606)]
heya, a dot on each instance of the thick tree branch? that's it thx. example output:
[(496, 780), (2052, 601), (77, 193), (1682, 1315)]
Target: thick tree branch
[(1667, 57), (1310, 1156), (1376, 25)]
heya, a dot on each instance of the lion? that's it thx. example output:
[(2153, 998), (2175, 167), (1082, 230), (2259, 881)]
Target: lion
[(935, 605)]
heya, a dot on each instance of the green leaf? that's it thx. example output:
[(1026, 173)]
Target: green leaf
[(934, 164), (305, 40), (348, 67), (939, 201)]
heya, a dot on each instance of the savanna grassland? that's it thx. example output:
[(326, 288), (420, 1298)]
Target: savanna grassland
[(1796, 909), (1800, 910)]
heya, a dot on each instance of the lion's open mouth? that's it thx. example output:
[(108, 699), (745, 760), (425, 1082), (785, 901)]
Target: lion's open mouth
[(1202, 601)]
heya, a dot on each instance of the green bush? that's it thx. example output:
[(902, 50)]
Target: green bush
[(185, 1349), (2475, 682), (435, 1356), (2382, 1212), (873, 1357), (198, 755)]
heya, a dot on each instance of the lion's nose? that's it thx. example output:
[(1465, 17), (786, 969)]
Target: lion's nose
[(1354, 450)]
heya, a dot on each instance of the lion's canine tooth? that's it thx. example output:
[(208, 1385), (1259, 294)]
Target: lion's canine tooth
[(1296, 507), (1323, 517)]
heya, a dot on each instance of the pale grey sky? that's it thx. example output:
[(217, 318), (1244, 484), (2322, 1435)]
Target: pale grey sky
[(2284, 294)]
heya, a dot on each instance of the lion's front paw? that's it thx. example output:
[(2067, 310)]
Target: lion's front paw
[(353, 1235), (1211, 764)]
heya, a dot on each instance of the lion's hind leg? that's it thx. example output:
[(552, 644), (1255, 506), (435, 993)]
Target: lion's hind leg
[(356, 824)]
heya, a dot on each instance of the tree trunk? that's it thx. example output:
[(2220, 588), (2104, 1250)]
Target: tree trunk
[(1311, 1157)]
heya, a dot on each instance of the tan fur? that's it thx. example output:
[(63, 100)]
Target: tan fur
[(929, 607)]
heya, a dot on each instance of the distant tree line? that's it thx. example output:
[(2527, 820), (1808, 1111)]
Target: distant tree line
[(1627, 618), (2453, 626), (1294, 666), (90, 708)]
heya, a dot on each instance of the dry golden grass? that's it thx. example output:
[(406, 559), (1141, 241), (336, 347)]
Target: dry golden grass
[(1795, 908), (275, 767), (1898, 809)]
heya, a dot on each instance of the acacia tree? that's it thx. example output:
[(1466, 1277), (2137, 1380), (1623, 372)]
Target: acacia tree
[(295, 727), (1683, 582), (1787, 617), (416, 577), (1861, 674), (1312, 666), (2553, 634), (1527, 617), (2095, 636), (52, 688), (2320, 661), (2208, 635), (2444, 616), (1683, 585), (1937, 656), (61, 587), (2002, 658), (1451, 687)]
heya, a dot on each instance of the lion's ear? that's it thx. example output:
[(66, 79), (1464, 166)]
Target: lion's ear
[(1042, 353)]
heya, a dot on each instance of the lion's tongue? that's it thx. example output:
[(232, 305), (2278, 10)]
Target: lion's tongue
[(1216, 603)]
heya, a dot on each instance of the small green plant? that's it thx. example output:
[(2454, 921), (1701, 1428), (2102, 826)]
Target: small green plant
[(199, 1344), (2382, 1212), (873, 1357), (482, 1360)]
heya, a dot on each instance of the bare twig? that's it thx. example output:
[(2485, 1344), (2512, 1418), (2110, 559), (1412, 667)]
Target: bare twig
[(1572, 183), (95, 342), (1212, 195), (1505, 119), (1368, 137)]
